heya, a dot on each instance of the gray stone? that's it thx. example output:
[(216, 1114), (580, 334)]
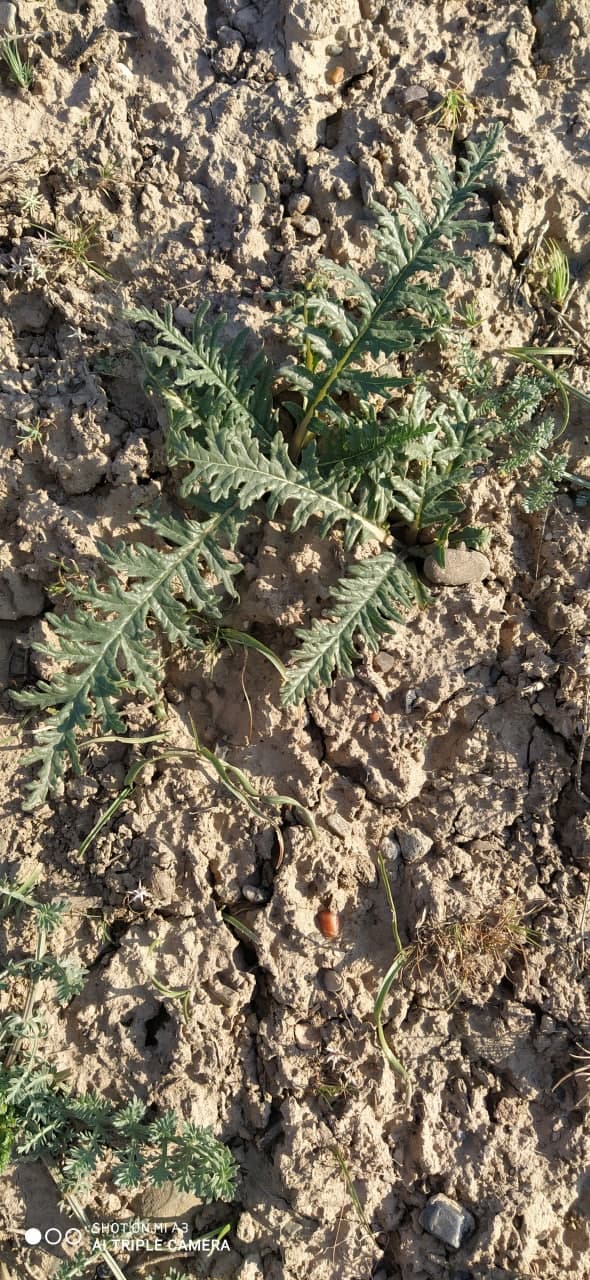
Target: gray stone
[(183, 317), (337, 825), (257, 193), (390, 848), (384, 662), (308, 225), (255, 893), (414, 93), (7, 16), (413, 844), (331, 980), (299, 202), (445, 1219), (461, 567)]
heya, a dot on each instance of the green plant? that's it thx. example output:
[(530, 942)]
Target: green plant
[(31, 432), (470, 315), (466, 953), (551, 272), (20, 72), (400, 959), (31, 202), (373, 465), (453, 109), (74, 1133), (78, 244)]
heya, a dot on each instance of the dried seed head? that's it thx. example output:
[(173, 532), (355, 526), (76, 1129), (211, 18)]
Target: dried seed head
[(329, 923)]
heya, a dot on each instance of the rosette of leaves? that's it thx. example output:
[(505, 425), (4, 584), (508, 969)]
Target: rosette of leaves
[(365, 462)]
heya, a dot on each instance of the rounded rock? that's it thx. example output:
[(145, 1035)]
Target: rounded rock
[(255, 893), (461, 567), (331, 981)]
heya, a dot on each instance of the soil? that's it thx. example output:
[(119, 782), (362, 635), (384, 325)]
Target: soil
[(217, 150)]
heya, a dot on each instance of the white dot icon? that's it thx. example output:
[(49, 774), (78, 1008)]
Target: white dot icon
[(32, 1235)]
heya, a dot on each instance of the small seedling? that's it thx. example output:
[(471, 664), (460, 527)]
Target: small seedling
[(353, 1193), (77, 244), (401, 957), (31, 432), (466, 953), (551, 272), (20, 73), (450, 113), (30, 203), (470, 315)]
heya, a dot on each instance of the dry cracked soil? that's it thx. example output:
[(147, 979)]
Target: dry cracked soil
[(213, 150)]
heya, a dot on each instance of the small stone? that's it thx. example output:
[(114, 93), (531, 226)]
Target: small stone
[(299, 202), (331, 980), (173, 695), (461, 567), (305, 1036), (390, 848), (257, 193), (413, 844), (335, 75), (7, 16), (384, 662), (228, 37), (255, 893), (337, 825), (415, 96), (445, 1219), (309, 226), (183, 317)]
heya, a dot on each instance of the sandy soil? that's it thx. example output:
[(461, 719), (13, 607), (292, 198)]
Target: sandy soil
[(218, 148)]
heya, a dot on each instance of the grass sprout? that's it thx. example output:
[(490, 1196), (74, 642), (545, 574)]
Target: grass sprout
[(450, 113), (552, 273), (20, 73), (77, 244), (465, 954), (402, 955)]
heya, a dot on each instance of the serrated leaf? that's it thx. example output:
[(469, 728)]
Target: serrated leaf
[(366, 605)]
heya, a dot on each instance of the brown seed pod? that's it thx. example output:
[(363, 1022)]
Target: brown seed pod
[(374, 717), (329, 923)]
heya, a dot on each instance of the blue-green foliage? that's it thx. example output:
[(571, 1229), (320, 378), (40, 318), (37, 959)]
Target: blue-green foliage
[(364, 466)]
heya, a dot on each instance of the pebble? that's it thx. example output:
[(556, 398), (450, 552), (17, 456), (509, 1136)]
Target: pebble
[(331, 980), (255, 893), (384, 662), (305, 1036), (415, 96), (445, 1219), (183, 317), (257, 193), (413, 844), (336, 75), (299, 202), (7, 16), (461, 567), (309, 226), (337, 825), (390, 848)]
